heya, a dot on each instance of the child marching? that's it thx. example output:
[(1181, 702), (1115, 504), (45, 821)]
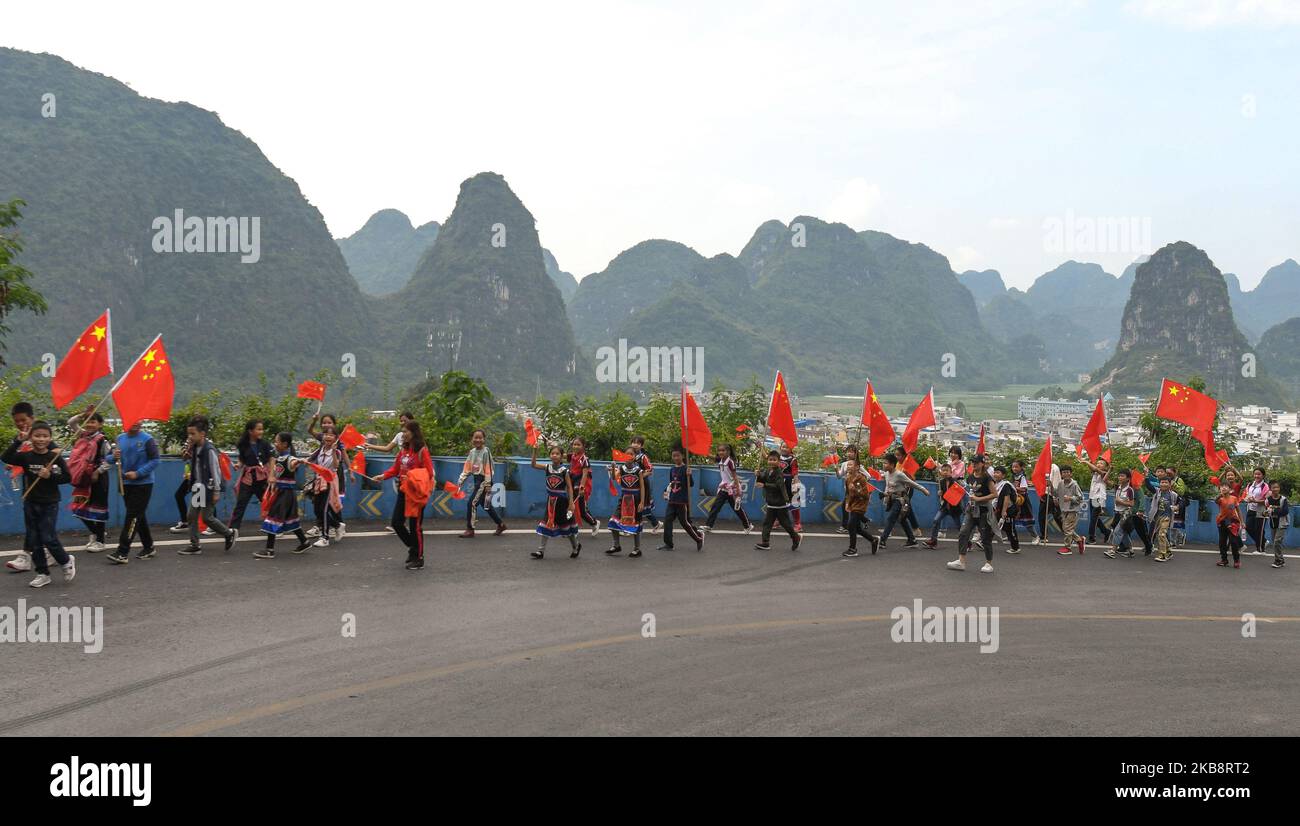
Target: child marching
[(478, 467), (728, 492), (857, 497), (137, 456), (1229, 524), (325, 488), (88, 469), (580, 477), (637, 448), (1024, 513), (1004, 508), (559, 519), (1069, 498), (23, 415), (43, 471), (1277, 511), (1126, 502), (679, 503), (205, 477), (776, 498), (253, 463), (790, 475), (631, 478), (280, 509)]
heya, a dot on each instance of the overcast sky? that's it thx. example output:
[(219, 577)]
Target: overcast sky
[(974, 127)]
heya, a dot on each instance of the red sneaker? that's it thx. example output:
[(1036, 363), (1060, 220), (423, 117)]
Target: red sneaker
[(1065, 551), (930, 543), (468, 534), (1081, 546), (1237, 564)]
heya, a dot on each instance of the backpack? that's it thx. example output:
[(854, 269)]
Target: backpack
[(84, 460)]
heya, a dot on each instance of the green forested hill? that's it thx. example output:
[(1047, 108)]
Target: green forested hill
[(97, 175)]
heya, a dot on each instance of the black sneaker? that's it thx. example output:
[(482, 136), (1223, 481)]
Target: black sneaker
[(302, 546), (415, 564), (851, 553), (911, 544), (875, 545), (231, 537), (615, 550), (699, 544), (265, 553), (118, 558), (664, 548), (537, 554), (147, 553), (634, 554), (1278, 565), (761, 547), (577, 549), (190, 550), (794, 543)]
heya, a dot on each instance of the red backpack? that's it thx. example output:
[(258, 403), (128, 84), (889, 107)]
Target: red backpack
[(84, 460)]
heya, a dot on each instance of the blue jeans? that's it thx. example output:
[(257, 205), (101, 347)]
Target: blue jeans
[(42, 535)]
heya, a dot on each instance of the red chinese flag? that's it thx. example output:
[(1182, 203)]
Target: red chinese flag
[(875, 474), (620, 456), (1043, 468), (351, 438), (530, 433), (311, 390), (780, 418), (1214, 480), (882, 430), (1182, 404), (1143, 458), (741, 428), (910, 467), (146, 391), (921, 418), (1137, 477), (830, 460), (1106, 454), (89, 358), (979, 448), (322, 471), (1078, 450), (613, 488), (696, 436), (930, 464), (954, 494), (359, 463), (224, 461), (1092, 434), (454, 490)]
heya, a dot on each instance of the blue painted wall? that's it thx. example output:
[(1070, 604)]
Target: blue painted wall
[(524, 505)]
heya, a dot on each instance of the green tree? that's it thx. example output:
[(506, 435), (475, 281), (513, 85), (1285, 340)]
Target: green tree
[(15, 292), (456, 407)]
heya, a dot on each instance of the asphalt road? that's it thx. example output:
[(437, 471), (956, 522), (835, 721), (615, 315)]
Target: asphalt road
[(488, 641)]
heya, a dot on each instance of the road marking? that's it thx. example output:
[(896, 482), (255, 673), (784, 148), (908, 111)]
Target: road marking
[(424, 675)]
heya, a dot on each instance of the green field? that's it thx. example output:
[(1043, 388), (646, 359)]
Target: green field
[(980, 404)]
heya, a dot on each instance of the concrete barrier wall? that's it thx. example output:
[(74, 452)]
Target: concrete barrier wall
[(523, 491)]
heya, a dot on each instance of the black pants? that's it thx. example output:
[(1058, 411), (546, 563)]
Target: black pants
[(679, 512), (1255, 529), (894, 516), (326, 518), (1228, 540), (479, 497), (270, 539), (182, 497), (97, 529), (776, 514), (858, 527), (247, 493), (1097, 519), (726, 499), (409, 529), (976, 520), (40, 518), (136, 500), (581, 509), (1143, 531), (1008, 526), (1048, 506)]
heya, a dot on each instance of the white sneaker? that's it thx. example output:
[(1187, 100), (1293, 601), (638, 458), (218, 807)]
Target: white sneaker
[(1038, 540), (749, 527), (94, 546), (957, 565), (313, 531), (987, 569), (943, 534), (41, 581), (20, 563), (321, 543), (208, 532), (389, 529), (179, 527), (595, 527), (70, 569), (341, 530)]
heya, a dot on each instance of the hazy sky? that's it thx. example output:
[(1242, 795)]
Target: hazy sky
[(963, 125)]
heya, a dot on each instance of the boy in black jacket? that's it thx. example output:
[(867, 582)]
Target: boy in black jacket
[(43, 471), (777, 502)]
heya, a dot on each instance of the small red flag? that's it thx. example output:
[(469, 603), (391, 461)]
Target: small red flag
[(1184, 405), (1091, 440), (696, 436), (620, 456), (1043, 467), (1106, 455), (613, 488), (875, 474), (1214, 457), (741, 428), (454, 490), (1078, 450), (921, 418), (1214, 480), (930, 464), (1137, 477), (954, 494), (224, 461), (780, 419), (146, 391), (530, 433), (359, 463), (322, 471), (1143, 458), (311, 390), (910, 467), (830, 460), (351, 438), (89, 358)]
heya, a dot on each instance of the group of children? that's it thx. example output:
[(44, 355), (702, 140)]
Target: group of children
[(993, 503)]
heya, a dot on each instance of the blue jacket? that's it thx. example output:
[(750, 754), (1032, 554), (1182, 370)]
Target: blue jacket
[(139, 453)]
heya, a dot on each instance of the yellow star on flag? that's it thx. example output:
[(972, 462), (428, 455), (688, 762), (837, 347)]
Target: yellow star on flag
[(99, 333), (149, 356)]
